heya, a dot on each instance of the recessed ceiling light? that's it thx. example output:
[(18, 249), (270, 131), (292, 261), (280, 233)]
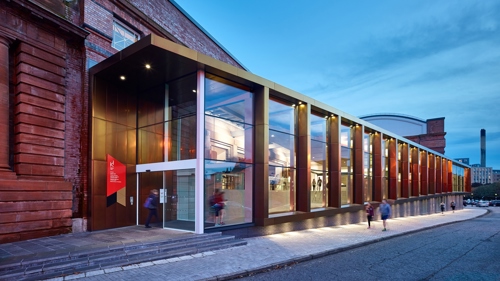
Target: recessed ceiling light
[(194, 91), (122, 77), (148, 66)]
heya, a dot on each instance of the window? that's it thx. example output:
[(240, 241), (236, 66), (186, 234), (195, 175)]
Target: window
[(282, 151), (122, 36)]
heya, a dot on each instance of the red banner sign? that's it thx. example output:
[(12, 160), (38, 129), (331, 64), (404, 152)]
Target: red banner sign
[(116, 175)]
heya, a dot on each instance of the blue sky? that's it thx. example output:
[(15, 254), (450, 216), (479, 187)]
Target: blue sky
[(423, 58)]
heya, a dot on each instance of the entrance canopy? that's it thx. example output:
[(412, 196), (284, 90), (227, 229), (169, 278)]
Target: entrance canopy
[(167, 61)]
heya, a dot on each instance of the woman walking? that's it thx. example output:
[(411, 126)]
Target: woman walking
[(369, 213)]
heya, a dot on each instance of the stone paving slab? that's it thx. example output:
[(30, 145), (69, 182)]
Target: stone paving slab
[(276, 250)]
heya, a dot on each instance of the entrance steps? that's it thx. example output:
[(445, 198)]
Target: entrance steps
[(51, 265)]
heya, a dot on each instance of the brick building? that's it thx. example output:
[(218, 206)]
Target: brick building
[(46, 47), (89, 86)]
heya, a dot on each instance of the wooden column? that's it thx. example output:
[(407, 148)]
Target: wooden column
[(357, 191), (261, 156), (405, 171), (439, 175), (304, 159), (444, 169), (424, 173), (415, 169), (432, 174), (467, 178), (393, 169), (378, 170), (334, 163)]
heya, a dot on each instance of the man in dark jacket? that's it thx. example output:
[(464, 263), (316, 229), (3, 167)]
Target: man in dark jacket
[(151, 204)]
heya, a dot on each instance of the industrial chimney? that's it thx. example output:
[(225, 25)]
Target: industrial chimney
[(483, 148)]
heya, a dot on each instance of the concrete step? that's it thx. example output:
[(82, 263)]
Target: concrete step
[(98, 258)]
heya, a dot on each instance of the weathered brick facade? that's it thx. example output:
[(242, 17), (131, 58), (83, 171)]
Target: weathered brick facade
[(45, 50), (435, 137)]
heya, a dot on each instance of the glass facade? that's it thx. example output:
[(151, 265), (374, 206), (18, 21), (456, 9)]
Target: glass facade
[(167, 121), (319, 163), (282, 159), (346, 143), (228, 150), (157, 121)]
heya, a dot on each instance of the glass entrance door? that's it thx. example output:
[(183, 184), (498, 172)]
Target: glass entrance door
[(176, 190)]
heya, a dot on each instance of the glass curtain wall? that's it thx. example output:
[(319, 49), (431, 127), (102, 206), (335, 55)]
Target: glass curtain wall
[(282, 160), (319, 170), (367, 166), (166, 132), (167, 122), (228, 151), (346, 143)]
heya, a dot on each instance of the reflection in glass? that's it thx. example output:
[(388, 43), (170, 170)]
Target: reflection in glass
[(282, 142), (281, 189), (346, 165), (319, 164), (228, 100), (228, 140), (167, 122), (235, 180), (318, 128), (281, 116), (281, 149)]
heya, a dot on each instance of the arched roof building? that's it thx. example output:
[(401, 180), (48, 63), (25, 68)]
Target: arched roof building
[(429, 133)]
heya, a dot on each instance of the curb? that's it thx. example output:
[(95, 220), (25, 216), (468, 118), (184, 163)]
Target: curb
[(267, 268)]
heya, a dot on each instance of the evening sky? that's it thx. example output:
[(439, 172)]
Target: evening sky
[(425, 58)]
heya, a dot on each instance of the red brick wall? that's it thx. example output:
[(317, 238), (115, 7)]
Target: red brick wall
[(46, 77), (31, 209), (435, 137), (49, 110)]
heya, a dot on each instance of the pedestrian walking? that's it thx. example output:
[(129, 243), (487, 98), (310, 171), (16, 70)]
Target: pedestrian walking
[(369, 213), (218, 206), (442, 208), (452, 205), (151, 204), (385, 212)]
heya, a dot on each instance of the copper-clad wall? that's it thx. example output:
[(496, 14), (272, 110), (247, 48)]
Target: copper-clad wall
[(358, 175), (405, 171), (261, 155), (424, 173), (393, 169), (415, 172), (378, 170), (304, 159)]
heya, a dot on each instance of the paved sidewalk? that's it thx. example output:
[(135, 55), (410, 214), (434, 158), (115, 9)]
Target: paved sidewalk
[(84, 241), (274, 250)]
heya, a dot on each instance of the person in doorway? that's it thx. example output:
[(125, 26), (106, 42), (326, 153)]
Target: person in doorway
[(442, 207), (152, 205), (452, 205), (385, 213), (369, 213), (218, 199)]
